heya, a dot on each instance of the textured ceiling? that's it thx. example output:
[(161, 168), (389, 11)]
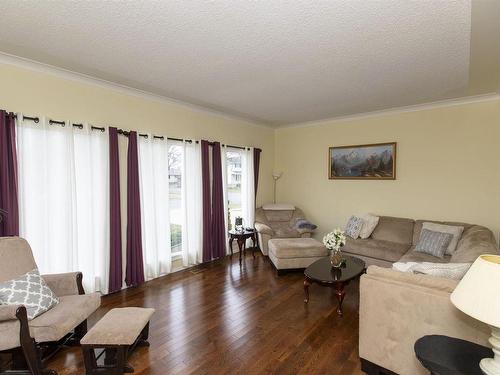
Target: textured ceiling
[(275, 62)]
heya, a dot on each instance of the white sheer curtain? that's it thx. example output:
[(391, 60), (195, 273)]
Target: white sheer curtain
[(64, 198), (154, 189), (247, 188), (192, 252)]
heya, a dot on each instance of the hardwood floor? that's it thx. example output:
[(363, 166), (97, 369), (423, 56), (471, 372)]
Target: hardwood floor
[(222, 319)]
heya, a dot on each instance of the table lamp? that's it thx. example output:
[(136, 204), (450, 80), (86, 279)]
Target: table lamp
[(478, 295)]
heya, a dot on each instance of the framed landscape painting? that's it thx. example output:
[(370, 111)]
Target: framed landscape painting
[(363, 162)]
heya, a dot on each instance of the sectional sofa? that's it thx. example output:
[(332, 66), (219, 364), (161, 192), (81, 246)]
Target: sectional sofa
[(397, 308)]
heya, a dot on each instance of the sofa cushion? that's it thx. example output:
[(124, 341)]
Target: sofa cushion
[(61, 319), (370, 222), (476, 240), (296, 248), (414, 256), (394, 229), (389, 251), (433, 243), (419, 223), (353, 227), (286, 232), (279, 215)]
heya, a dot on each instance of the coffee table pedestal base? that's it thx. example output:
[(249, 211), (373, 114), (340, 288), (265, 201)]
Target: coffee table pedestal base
[(339, 291)]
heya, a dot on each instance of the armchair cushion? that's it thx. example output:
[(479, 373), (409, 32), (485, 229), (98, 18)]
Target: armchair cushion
[(29, 290), (63, 284), (57, 322), (54, 324), (8, 312)]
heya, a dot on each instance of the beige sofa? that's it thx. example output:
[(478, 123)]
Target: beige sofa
[(397, 308), (394, 240), (277, 221)]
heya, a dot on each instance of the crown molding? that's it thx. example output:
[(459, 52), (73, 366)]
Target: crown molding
[(22, 62), (396, 110)]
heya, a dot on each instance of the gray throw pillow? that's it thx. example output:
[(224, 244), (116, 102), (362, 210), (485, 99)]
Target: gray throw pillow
[(304, 224), (353, 227), (433, 243), (29, 290)]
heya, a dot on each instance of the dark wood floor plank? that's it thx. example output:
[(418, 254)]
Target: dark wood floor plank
[(220, 318)]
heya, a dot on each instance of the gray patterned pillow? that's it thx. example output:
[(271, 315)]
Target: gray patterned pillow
[(29, 290), (433, 243), (353, 227)]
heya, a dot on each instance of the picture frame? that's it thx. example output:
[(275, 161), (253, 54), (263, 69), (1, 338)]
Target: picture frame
[(375, 161)]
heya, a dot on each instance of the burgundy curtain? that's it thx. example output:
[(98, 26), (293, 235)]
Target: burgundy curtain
[(218, 220), (135, 265), (256, 165), (9, 225), (115, 221), (207, 202)]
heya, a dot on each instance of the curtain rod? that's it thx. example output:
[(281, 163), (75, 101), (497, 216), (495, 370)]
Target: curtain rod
[(231, 146), (126, 133)]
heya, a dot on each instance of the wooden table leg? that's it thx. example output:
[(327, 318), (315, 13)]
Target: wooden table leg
[(253, 242), (241, 242), (307, 283), (340, 294), (231, 239)]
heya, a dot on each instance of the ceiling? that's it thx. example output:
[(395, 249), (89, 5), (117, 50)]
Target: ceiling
[(272, 62)]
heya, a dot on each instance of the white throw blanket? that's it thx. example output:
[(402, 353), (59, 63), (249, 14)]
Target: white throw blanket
[(447, 270)]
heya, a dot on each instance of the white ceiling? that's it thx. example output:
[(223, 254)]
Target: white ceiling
[(274, 62)]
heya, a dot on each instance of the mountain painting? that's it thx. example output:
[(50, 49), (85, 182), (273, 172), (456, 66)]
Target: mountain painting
[(363, 162)]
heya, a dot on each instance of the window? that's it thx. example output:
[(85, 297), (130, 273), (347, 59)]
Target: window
[(175, 181), (234, 170)]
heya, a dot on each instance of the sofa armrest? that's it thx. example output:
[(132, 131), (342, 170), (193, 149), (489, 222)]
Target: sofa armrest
[(8, 312), (65, 284), (263, 228), (398, 308)]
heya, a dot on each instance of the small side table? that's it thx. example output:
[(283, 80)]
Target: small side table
[(443, 355), (241, 238)]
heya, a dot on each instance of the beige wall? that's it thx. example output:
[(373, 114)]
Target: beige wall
[(448, 167), (38, 93)]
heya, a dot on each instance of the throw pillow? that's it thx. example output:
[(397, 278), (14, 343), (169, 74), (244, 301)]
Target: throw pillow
[(353, 227), (455, 231), (370, 222), (29, 290), (433, 243), (304, 224)]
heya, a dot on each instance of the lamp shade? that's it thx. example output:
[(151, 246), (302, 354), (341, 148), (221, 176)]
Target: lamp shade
[(478, 293)]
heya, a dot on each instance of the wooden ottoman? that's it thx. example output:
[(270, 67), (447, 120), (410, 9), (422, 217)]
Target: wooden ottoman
[(288, 254), (117, 333)]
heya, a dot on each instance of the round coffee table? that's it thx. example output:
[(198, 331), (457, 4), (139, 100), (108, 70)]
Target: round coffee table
[(321, 272)]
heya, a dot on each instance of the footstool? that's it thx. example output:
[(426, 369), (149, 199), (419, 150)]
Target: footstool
[(118, 333), (295, 253)]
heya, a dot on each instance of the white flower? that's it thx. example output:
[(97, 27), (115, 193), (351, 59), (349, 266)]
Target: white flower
[(335, 239)]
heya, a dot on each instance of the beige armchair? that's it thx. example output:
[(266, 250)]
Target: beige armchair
[(31, 341), (278, 221)]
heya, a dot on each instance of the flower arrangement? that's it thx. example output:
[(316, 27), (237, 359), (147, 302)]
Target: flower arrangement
[(334, 240)]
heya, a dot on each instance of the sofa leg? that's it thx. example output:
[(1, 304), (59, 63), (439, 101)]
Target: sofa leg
[(371, 368)]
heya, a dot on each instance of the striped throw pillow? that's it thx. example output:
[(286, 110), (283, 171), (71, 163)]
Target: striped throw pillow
[(433, 243)]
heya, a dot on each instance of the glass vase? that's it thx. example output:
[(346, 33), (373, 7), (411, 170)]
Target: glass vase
[(336, 258)]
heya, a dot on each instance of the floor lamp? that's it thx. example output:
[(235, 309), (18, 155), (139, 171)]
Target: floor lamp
[(276, 177)]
